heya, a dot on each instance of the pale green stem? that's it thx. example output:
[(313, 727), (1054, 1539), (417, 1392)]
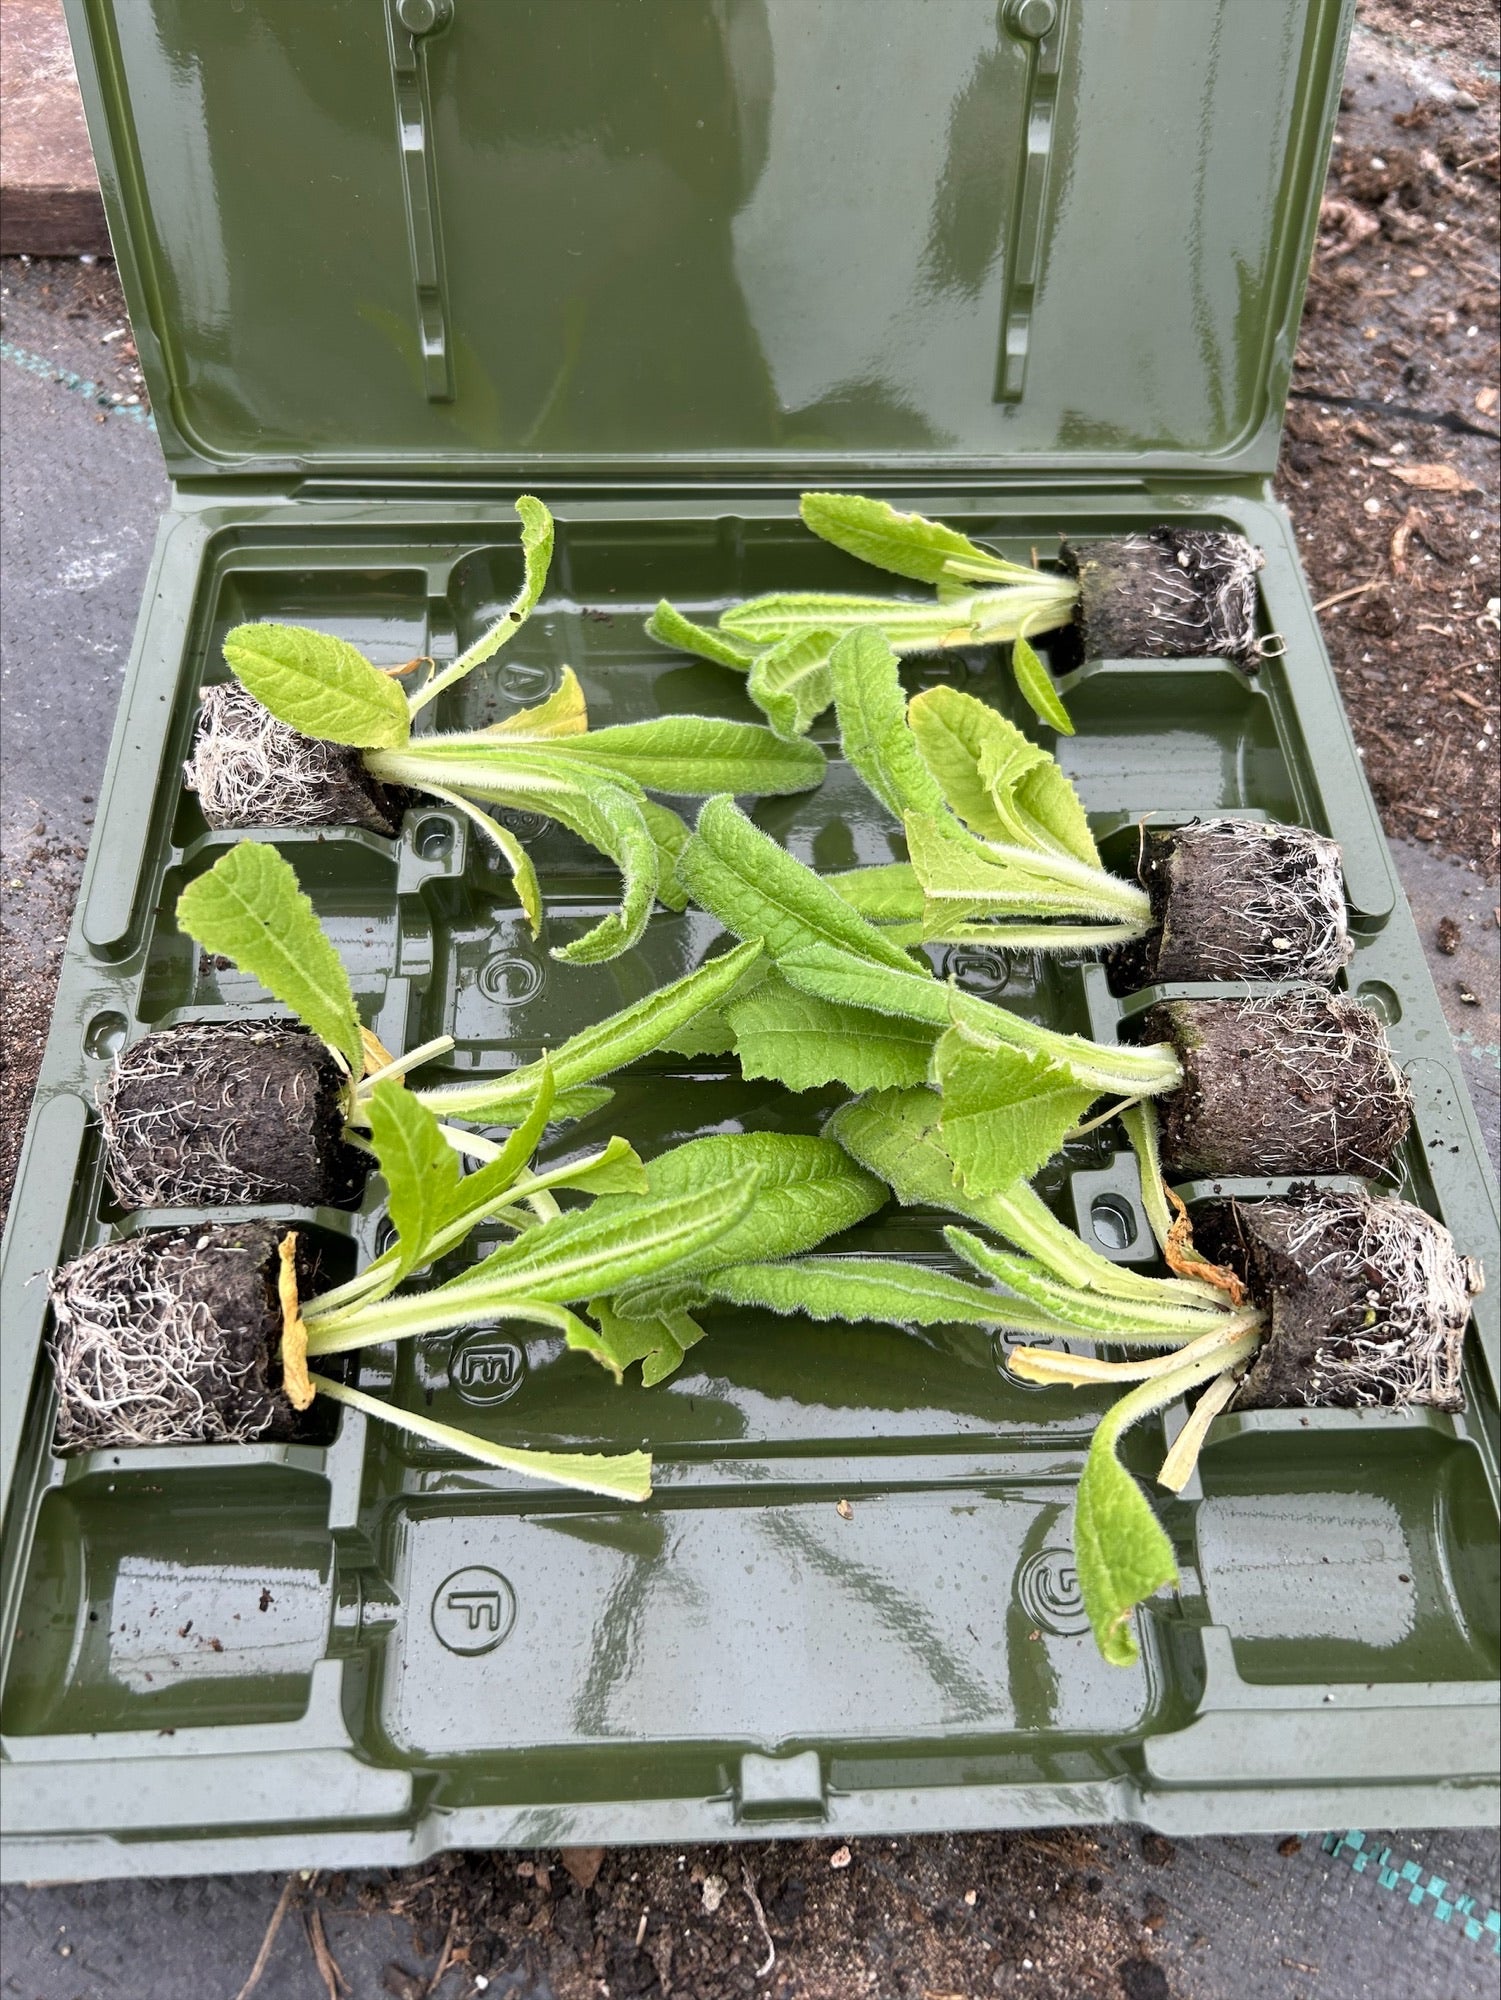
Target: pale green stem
[(400, 1065), (626, 1477), (1162, 1390), (1014, 937), (428, 1312), (1103, 888), (1227, 1344)]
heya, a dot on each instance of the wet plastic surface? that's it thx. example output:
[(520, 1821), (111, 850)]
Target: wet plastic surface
[(235, 1656)]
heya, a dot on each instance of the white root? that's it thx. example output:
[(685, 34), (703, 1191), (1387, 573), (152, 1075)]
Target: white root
[(140, 1360)]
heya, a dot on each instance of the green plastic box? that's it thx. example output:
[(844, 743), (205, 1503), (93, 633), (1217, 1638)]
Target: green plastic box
[(1035, 267)]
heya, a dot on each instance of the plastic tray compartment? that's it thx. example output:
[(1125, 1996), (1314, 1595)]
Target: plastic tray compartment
[(364, 1650)]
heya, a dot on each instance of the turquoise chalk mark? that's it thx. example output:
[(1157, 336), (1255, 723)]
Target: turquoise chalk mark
[(1488, 1053), (1432, 1893), (80, 385)]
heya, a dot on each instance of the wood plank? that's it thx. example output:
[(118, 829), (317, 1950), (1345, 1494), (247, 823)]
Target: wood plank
[(49, 192)]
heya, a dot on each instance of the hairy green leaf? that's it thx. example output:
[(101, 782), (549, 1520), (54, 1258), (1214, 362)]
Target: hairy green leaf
[(623, 1477), (621, 1038), (856, 1288), (658, 1341), (671, 835), (420, 1169), (887, 893), (1005, 1112), (1036, 683), (910, 628), (1048, 801), (954, 732), (872, 711), (249, 908), (790, 682), (523, 874), (1120, 1551), (834, 974), (669, 625), (536, 556), (803, 1041), (319, 685), (964, 879), (905, 544), (700, 754), (810, 1189), (756, 889)]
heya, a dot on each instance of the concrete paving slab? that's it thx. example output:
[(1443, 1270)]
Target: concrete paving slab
[(49, 193)]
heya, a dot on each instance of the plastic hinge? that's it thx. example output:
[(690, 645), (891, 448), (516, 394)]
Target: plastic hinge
[(781, 1787)]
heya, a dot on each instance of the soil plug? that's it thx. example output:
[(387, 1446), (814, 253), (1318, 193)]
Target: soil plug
[(205, 1114), (212, 1114), (173, 1337), (1296, 1083), (1239, 899), (315, 735), (1369, 1300), (1001, 852), (1168, 593)]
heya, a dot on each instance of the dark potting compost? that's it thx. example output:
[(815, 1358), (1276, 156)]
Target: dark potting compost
[(210, 1114), (1168, 594), (1238, 899), (173, 1337), (1369, 1299), (1295, 1083)]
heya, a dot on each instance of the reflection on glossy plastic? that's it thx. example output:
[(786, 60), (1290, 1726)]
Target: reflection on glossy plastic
[(629, 230)]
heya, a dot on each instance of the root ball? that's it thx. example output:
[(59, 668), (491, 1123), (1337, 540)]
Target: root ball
[(210, 1114), (1239, 899), (248, 769), (172, 1337), (1169, 594), (1369, 1300), (1297, 1083)]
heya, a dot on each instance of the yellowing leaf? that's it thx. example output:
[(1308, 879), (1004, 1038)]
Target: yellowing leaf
[(564, 713)]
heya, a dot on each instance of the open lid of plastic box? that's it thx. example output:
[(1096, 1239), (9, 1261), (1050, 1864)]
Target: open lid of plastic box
[(654, 240)]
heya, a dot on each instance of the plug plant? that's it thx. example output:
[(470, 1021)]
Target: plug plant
[(310, 733), (1327, 1299), (1303, 1079), (1001, 851), (1170, 593), (208, 1334), (211, 1113)]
